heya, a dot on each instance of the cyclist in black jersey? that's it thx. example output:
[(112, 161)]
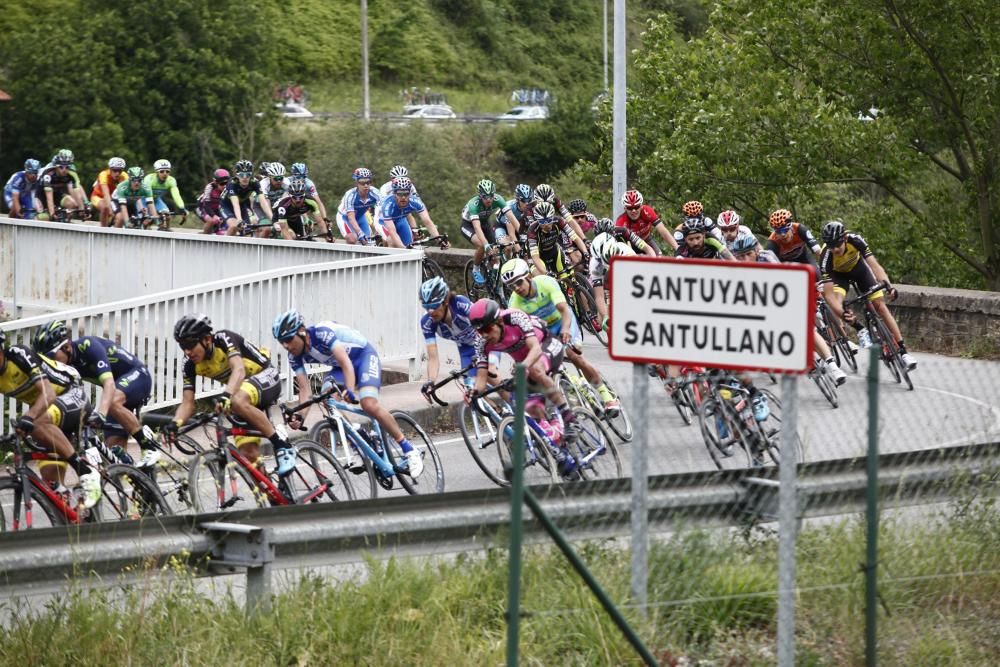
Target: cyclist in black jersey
[(545, 239)]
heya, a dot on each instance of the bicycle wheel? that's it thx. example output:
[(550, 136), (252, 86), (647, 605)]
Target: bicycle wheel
[(821, 377), (431, 269), (621, 423), (475, 290), (586, 312), (127, 493), (571, 391), (839, 344), (480, 436), (680, 400), (717, 424), (213, 486), (13, 514), (431, 480), (771, 430), (594, 448), (361, 474), (539, 465), (317, 476), (880, 336), (891, 355)]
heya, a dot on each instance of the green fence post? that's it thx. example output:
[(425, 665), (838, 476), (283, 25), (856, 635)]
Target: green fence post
[(516, 529), (871, 555)]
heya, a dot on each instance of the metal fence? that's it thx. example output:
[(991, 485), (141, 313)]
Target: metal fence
[(363, 292)]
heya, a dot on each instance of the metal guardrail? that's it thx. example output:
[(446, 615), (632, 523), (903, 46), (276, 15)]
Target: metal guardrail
[(471, 519)]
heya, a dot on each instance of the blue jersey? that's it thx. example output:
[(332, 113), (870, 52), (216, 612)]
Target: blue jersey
[(460, 330), (94, 357), (391, 212), (323, 338), (19, 182), (352, 201)]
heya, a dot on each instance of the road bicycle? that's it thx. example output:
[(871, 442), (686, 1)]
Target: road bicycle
[(222, 478), (164, 218), (686, 391), (889, 351), (493, 287), (430, 267), (371, 457), (580, 297), (580, 393), (27, 501), (832, 331), (68, 215)]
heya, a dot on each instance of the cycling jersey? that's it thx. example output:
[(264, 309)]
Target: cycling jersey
[(642, 225), (515, 210), (587, 221), (713, 248), (18, 185), (210, 200), (273, 191), (362, 207), (599, 270), (799, 248), (518, 327), (326, 336), (855, 250), (311, 189), (22, 372), (95, 358), (245, 194), (124, 194), (475, 209), (105, 178), (160, 188), (51, 179), (215, 365), (629, 238), (460, 330), (548, 243), (292, 210), (390, 212)]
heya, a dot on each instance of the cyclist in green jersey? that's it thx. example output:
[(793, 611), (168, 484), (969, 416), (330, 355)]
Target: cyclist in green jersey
[(476, 226)]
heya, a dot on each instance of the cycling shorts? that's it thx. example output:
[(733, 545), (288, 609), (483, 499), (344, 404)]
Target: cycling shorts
[(575, 335), (364, 223), (552, 355), (264, 388), (137, 386), (226, 208), (162, 206), (494, 232), (367, 373), (861, 276), (27, 200), (68, 410)]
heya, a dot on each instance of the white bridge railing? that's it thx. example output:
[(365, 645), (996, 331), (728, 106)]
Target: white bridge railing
[(47, 266), (376, 295)]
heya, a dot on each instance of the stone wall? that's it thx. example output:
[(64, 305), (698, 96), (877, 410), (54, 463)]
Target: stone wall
[(934, 319)]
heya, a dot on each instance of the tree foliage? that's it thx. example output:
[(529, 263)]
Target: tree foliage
[(880, 109)]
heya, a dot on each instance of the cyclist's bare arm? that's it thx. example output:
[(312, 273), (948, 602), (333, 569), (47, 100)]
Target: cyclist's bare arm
[(662, 230)]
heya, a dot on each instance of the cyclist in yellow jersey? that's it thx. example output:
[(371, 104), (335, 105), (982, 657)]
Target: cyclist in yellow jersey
[(104, 188), (56, 407), (252, 383)]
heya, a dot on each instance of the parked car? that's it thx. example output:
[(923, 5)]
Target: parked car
[(293, 110), (429, 112), (525, 113)]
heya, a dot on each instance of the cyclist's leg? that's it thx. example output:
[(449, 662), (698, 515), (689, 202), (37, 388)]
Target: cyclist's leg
[(255, 395)]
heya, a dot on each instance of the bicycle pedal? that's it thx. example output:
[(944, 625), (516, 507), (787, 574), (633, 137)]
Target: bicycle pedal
[(232, 501), (358, 469)]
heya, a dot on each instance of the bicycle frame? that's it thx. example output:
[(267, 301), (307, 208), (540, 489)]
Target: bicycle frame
[(334, 411), (233, 454)]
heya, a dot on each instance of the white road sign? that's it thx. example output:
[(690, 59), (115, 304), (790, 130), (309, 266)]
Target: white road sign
[(738, 315)]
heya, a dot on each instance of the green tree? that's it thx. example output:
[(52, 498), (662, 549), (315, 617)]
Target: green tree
[(779, 101)]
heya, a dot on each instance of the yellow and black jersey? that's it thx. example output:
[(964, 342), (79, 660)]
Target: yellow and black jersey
[(215, 365), (23, 370), (855, 250)]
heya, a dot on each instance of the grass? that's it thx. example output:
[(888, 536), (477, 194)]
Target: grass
[(711, 601), (330, 96)]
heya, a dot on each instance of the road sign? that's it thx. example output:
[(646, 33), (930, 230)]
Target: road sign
[(738, 315)]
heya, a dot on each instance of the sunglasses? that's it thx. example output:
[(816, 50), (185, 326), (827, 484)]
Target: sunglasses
[(632, 208), (188, 344), (364, 182), (432, 306), (163, 171), (579, 216), (298, 197), (62, 166), (518, 282), (244, 174), (783, 230), (223, 181), (116, 170)]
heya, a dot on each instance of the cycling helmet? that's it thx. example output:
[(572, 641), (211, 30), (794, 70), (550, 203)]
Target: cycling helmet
[(300, 169), (514, 269), (64, 157), (286, 325), (523, 192), (116, 163), (402, 184), (693, 209), (484, 313), (433, 292), (605, 247), (192, 327), (362, 174), (544, 211), (577, 206), (296, 187), (544, 192), (833, 231), (486, 188), (135, 173), (275, 170), (162, 164), (632, 199), (3, 340), (31, 166), (243, 167), (50, 337), (221, 175), (692, 225), (729, 219), (745, 242), (398, 171), (780, 218), (604, 226)]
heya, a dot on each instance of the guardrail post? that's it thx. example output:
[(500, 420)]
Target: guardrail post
[(516, 509), (640, 486), (871, 515), (250, 547)]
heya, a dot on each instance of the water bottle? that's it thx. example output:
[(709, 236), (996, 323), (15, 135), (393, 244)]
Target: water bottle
[(864, 339)]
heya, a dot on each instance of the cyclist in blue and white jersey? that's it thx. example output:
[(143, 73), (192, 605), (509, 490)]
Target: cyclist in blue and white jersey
[(354, 365), (19, 193), (396, 214), (300, 170), (516, 214), (357, 208), (397, 171)]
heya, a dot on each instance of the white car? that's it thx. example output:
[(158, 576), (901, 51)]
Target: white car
[(293, 110), (429, 112), (525, 113)]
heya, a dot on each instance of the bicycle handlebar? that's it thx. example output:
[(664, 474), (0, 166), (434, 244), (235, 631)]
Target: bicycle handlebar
[(884, 285), (454, 375)]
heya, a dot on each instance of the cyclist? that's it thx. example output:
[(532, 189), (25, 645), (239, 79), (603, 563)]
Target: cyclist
[(252, 383), (698, 244), (642, 219), (354, 365), (746, 248), (791, 241), (396, 214), (519, 208), (448, 316), (239, 200), (293, 207), (209, 208), (61, 184), (602, 249), (357, 208), (162, 183), (545, 239), (623, 235), (527, 340), (731, 226), (55, 404), (300, 170), (105, 185), (398, 171), (124, 380), (274, 183), (476, 226), (847, 259), (133, 193), (19, 192), (585, 220), (542, 297), (545, 192)]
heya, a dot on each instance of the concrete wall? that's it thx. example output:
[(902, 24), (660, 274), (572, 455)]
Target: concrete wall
[(944, 321)]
